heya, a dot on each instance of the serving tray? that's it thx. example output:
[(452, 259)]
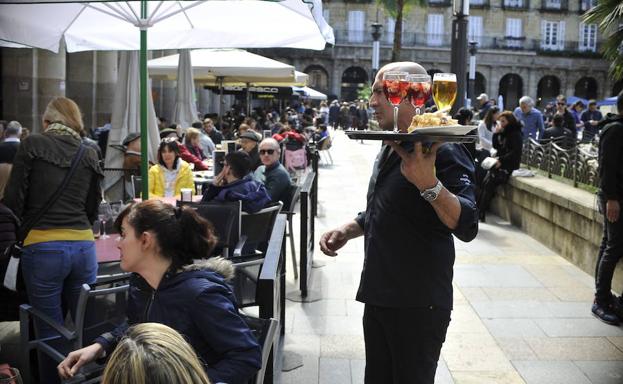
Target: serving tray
[(450, 134)]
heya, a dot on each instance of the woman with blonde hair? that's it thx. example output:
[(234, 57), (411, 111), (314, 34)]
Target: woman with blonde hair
[(59, 251), (192, 142), (152, 353)]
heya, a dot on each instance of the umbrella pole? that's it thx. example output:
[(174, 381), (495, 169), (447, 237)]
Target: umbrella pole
[(220, 102), (248, 100), (143, 92)]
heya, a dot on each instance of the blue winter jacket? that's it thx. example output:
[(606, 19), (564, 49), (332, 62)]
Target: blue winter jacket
[(200, 305), (251, 192)]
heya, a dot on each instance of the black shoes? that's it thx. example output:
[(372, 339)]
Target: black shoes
[(608, 313)]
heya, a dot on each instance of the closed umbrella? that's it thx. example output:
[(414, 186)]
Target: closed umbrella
[(126, 119), (185, 111)]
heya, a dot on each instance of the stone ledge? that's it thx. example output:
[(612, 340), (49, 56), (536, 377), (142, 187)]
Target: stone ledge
[(564, 218)]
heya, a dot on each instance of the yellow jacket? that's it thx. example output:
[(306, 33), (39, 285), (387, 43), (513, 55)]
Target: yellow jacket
[(184, 179)]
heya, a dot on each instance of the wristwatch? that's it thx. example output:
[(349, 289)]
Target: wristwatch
[(431, 194)]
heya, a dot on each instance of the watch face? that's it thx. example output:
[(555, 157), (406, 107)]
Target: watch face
[(429, 195)]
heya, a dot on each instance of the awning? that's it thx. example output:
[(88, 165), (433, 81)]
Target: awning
[(309, 93)]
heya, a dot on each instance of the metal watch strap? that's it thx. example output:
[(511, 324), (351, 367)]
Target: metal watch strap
[(431, 194)]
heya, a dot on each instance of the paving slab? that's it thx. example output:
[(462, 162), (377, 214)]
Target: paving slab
[(550, 372), (603, 372)]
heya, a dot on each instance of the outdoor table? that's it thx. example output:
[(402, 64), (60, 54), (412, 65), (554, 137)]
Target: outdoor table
[(202, 178), (106, 249), (170, 200)]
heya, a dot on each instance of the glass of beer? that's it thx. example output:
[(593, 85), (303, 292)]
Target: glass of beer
[(419, 90), (395, 87), (444, 90)]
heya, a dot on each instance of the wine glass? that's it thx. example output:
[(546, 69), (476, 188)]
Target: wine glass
[(395, 87), (419, 90), (10, 376), (444, 90), (104, 214)]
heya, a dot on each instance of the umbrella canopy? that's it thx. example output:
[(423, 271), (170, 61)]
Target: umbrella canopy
[(230, 65), (309, 93), (100, 25), (608, 101), (185, 111)]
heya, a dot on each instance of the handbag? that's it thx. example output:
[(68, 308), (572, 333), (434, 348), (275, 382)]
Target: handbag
[(14, 251)]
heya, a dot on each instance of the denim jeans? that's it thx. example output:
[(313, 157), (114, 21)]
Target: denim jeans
[(54, 272)]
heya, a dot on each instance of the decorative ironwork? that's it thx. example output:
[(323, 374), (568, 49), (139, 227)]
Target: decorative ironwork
[(577, 163)]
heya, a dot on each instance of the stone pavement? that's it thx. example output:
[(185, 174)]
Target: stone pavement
[(521, 312)]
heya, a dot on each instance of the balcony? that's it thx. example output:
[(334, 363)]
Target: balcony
[(439, 3), (516, 4), (479, 4), (554, 6)]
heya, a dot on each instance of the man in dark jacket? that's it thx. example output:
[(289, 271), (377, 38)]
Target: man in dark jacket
[(8, 148), (235, 183), (607, 308), (271, 173), (417, 200), (334, 114), (591, 118), (569, 120)]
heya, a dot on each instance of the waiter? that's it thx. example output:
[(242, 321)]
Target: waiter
[(417, 200)]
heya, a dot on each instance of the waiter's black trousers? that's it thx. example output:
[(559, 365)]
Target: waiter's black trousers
[(403, 344), (610, 253)]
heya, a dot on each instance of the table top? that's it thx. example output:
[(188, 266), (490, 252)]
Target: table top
[(106, 249)]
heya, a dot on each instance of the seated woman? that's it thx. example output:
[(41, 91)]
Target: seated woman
[(236, 183), (159, 243), (153, 353), (508, 142), (192, 142), (171, 174)]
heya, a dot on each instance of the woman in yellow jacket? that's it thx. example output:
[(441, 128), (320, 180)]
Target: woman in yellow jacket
[(167, 178)]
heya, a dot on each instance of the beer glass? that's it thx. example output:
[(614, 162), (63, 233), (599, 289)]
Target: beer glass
[(419, 90), (444, 90), (395, 87)]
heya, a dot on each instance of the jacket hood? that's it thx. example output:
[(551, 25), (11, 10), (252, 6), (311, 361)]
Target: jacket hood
[(218, 264), (610, 118)]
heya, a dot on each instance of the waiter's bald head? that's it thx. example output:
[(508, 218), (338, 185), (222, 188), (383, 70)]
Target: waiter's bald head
[(404, 66)]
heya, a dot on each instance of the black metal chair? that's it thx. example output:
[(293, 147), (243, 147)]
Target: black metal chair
[(137, 186), (101, 307), (288, 209), (265, 331)]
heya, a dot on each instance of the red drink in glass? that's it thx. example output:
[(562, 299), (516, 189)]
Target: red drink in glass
[(419, 93), (395, 90)]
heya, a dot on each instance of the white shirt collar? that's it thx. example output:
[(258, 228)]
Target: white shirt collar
[(11, 140)]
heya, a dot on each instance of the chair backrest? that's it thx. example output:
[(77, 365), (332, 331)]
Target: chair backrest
[(225, 217), (5, 172), (258, 226), (264, 331), (324, 143), (293, 197), (101, 306), (137, 186)]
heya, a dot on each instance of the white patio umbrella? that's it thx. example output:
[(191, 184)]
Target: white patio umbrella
[(309, 93), (185, 110), (113, 25), (125, 119)]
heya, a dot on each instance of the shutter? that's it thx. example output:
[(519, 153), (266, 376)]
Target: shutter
[(435, 29), (581, 39), (475, 29), (544, 37), (390, 28), (561, 35)]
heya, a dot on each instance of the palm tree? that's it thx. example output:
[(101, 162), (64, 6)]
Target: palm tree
[(396, 9), (608, 15)]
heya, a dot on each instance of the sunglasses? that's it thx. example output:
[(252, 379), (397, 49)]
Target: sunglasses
[(265, 151), (562, 103)]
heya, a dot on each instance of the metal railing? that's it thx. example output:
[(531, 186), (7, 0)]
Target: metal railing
[(479, 3), (516, 4), (554, 5), (578, 163)]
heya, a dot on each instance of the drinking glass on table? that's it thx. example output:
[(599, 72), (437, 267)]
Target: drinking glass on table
[(419, 90), (104, 214), (395, 87), (444, 90), (10, 376)]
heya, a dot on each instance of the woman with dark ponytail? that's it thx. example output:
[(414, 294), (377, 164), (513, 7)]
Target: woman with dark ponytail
[(176, 283)]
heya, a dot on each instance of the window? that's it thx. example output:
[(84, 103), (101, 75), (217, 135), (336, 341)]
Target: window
[(588, 37), (434, 30), (477, 2), (514, 33), (356, 21), (390, 27), (552, 4), (513, 3), (475, 29), (552, 35), (585, 5)]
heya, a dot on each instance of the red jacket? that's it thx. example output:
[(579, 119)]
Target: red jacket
[(192, 159)]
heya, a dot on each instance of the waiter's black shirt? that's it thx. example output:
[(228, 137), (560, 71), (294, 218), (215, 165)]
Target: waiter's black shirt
[(409, 252)]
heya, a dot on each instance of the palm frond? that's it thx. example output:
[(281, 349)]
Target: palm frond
[(607, 14)]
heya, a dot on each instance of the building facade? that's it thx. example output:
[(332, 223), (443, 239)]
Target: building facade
[(539, 48)]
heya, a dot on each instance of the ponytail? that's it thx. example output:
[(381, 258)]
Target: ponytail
[(197, 238)]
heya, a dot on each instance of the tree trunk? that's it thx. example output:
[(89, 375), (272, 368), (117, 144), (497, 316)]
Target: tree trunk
[(400, 4)]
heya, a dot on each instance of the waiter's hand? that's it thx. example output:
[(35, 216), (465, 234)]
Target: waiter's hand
[(613, 210), (418, 166), (332, 240)]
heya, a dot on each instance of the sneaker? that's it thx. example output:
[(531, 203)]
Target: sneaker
[(605, 313)]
